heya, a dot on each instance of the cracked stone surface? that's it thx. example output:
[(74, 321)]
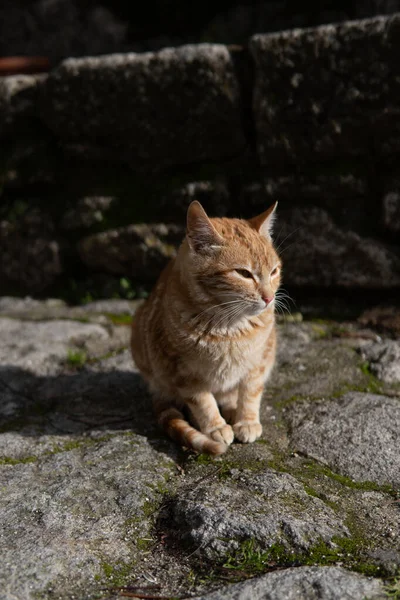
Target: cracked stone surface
[(356, 435), (267, 507), (305, 583), (94, 497), (384, 359)]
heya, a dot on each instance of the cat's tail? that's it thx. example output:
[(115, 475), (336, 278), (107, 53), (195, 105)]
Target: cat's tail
[(175, 424)]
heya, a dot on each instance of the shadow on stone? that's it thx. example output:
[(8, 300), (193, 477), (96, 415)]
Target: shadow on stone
[(77, 403)]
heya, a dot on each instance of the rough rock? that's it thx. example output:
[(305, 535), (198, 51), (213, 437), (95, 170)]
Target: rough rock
[(103, 312), (305, 354), (383, 318), (391, 208), (303, 583), (86, 212), (181, 103), (325, 92), (78, 510), (214, 518), (322, 254), (41, 347), (95, 497), (213, 196), (355, 435), (136, 250), (384, 360), (17, 100), (30, 254), (343, 194)]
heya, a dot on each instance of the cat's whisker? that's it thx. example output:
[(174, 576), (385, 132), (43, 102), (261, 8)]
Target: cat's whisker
[(283, 297), (214, 306), (283, 250), (231, 313), (287, 237)]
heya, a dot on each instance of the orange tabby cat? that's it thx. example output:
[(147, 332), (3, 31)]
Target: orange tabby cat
[(205, 338)]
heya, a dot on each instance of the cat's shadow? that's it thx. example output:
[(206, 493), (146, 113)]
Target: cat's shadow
[(78, 403)]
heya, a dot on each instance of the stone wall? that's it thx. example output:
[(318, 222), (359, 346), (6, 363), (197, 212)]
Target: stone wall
[(101, 146)]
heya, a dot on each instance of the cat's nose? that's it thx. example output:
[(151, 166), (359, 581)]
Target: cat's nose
[(267, 299)]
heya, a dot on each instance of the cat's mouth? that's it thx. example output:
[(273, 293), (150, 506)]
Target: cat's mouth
[(260, 306)]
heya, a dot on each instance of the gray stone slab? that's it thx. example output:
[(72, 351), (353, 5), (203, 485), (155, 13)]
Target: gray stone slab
[(176, 106), (66, 518), (384, 359), (356, 435), (18, 95), (328, 92), (303, 583), (135, 250), (318, 252), (267, 507)]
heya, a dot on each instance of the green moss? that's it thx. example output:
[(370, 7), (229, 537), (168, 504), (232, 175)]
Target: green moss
[(76, 358), (249, 558), (310, 491), (144, 544), (6, 460), (320, 331), (149, 508), (123, 319), (204, 459), (118, 575), (81, 443), (315, 468), (392, 589)]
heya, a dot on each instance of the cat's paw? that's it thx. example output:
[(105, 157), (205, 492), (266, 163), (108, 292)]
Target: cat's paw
[(247, 432), (223, 434)]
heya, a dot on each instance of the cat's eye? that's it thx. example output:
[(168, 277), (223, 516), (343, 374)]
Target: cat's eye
[(275, 271), (244, 273)]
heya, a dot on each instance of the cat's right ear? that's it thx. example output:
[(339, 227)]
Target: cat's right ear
[(201, 235)]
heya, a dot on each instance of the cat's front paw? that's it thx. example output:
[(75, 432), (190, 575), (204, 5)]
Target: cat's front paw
[(223, 434), (247, 432)]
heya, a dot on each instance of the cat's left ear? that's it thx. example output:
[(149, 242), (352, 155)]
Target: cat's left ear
[(264, 223), (201, 234)]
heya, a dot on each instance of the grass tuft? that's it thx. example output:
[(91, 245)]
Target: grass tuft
[(76, 358)]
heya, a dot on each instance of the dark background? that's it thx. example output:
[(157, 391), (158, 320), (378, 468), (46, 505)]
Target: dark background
[(345, 205), (62, 28)]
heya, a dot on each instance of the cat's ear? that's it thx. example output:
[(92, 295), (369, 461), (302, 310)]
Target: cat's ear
[(201, 234), (264, 223)]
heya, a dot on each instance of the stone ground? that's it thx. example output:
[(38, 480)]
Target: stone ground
[(96, 503)]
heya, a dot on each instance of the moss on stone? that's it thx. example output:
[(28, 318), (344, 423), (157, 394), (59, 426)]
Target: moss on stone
[(119, 319), (118, 575), (392, 589), (144, 544), (7, 460), (76, 358), (250, 559)]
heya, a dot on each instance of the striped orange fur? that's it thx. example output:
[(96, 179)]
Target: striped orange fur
[(205, 338)]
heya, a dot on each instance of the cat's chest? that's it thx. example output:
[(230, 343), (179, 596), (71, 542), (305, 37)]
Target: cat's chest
[(226, 363)]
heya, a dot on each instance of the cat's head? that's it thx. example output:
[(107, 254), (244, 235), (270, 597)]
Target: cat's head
[(233, 261)]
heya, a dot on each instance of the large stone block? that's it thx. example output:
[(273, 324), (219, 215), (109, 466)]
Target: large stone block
[(30, 256), (317, 252), (17, 100), (328, 91), (140, 251), (176, 106)]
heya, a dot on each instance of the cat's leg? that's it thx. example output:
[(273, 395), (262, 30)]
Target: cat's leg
[(227, 402), (247, 426), (204, 409)]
